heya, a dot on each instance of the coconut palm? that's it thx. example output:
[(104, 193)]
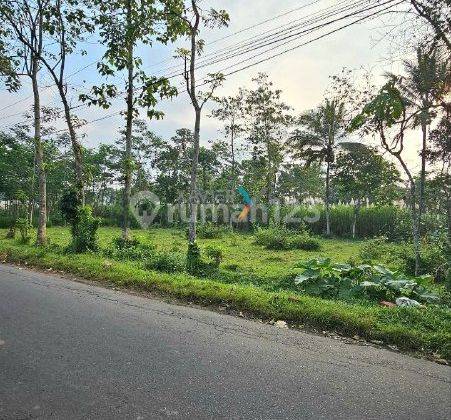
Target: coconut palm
[(320, 132), (427, 82)]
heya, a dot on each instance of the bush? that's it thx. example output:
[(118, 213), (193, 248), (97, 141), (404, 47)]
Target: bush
[(193, 260), (433, 259), (70, 205), (84, 231), (277, 238), (124, 243), (304, 242), (197, 266), (24, 227), (11, 234), (214, 254), (166, 262), (272, 238), (131, 250), (209, 231)]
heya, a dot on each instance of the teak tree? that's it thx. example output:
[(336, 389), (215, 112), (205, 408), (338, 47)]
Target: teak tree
[(64, 24), (24, 29), (267, 119), (124, 26), (363, 174), (230, 112), (195, 18)]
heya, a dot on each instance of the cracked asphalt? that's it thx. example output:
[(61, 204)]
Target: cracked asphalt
[(70, 350)]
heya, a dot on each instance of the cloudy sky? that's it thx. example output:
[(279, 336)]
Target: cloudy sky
[(302, 74)]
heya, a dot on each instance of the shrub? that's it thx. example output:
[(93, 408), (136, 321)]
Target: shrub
[(214, 254), (197, 266), (11, 234), (278, 238), (124, 243), (84, 231), (433, 259), (70, 205), (304, 242), (272, 238), (166, 262), (193, 260), (209, 231), (131, 249), (374, 249), (24, 227)]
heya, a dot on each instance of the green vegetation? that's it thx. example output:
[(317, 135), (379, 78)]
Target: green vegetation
[(247, 277), (279, 238)]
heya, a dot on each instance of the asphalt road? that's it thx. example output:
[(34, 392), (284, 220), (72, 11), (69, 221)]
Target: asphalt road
[(72, 350)]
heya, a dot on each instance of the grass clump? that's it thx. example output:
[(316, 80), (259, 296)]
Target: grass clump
[(129, 250), (167, 262)]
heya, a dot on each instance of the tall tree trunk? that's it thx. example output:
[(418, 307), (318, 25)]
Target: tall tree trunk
[(76, 147), (191, 88), (354, 221), (128, 164), (421, 198), (415, 226), (39, 156), (327, 204), (193, 180), (234, 181), (31, 197)]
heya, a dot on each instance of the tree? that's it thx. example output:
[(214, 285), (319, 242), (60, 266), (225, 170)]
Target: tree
[(26, 21), (387, 116), (321, 131), (363, 174), (436, 13), (267, 119), (299, 182), (195, 18), (124, 24), (425, 87), (230, 112), (64, 24), (439, 155), (173, 164)]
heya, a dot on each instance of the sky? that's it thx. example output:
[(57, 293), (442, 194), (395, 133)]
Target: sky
[(302, 74)]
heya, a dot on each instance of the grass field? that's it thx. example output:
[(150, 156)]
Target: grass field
[(258, 285), (238, 249)]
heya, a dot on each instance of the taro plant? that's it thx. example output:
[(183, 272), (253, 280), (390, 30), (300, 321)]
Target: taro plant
[(323, 278)]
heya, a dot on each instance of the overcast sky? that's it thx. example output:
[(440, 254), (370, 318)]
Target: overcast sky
[(302, 74)]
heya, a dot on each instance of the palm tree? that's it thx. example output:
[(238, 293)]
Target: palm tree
[(425, 86), (320, 132)]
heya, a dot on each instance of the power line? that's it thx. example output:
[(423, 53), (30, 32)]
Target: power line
[(310, 41), (264, 42), (169, 59), (273, 32)]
